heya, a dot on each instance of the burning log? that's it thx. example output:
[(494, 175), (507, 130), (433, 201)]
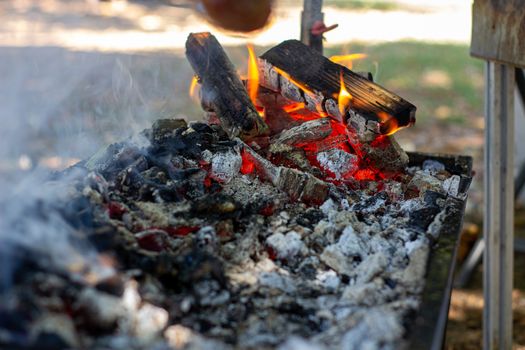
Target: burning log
[(222, 90), (304, 75)]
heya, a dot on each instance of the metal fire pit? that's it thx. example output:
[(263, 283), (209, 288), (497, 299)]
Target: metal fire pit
[(428, 328)]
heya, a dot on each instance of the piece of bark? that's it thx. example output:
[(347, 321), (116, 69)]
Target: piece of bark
[(372, 107), (222, 89)]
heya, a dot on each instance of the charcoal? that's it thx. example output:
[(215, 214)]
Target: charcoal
[(97, 312), (422, 218), (113, 285), (47, 340), (219, 204), (219, 243), (197, 265), (422, 181), (112, 160), (310, 217), (372, 204), (55, 331), (163, 128)]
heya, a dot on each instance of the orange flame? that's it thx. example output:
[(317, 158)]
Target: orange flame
[(253, 75), (293, 81), (193, 86), (294, 107), (348, 59), (344, 97), (389, 124)]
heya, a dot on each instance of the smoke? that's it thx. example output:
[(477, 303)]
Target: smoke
[(57, 107)]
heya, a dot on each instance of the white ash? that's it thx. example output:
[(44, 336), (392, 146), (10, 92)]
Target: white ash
[(245, 267), (433, 166), (423, 181), (451, 185), (286, 246), (225, 165), (338, 162)]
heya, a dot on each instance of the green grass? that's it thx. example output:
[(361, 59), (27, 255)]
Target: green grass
[(442, 80)]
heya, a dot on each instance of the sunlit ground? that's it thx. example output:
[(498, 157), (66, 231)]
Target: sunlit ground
[(133, 26), (77, 75)]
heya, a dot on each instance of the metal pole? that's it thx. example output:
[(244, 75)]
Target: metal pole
[(499, 206), (312, 12)]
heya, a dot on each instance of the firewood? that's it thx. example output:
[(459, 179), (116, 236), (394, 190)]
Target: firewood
[(222, 89), (372, 111)]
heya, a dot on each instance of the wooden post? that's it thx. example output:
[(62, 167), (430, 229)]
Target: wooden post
[(312, 12), (499, 206)]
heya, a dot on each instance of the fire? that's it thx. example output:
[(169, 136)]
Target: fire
[(348, 59), (293, 81), (344, 97), (253, 75), (294, 107), (389, 124), (193, 86)]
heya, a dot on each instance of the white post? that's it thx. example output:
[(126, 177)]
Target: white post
[(499, 206)]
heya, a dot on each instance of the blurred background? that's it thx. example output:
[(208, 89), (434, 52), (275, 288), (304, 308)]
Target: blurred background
[(76, 75)]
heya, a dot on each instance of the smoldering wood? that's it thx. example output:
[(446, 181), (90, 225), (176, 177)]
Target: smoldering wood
[(370, 101), (314, 101), (292, 156), (297, 184), (387, 155), (222, 89), (275, 116), (307, 132)]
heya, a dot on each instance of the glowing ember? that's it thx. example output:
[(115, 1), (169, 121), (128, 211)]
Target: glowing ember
[(294, 107), (344, 97), (248, 165), (253, 75), (347, 60)]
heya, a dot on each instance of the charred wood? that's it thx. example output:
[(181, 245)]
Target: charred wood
[(222, 89), (372, 106)]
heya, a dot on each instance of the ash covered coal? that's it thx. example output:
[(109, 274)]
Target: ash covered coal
[(217, 244)]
